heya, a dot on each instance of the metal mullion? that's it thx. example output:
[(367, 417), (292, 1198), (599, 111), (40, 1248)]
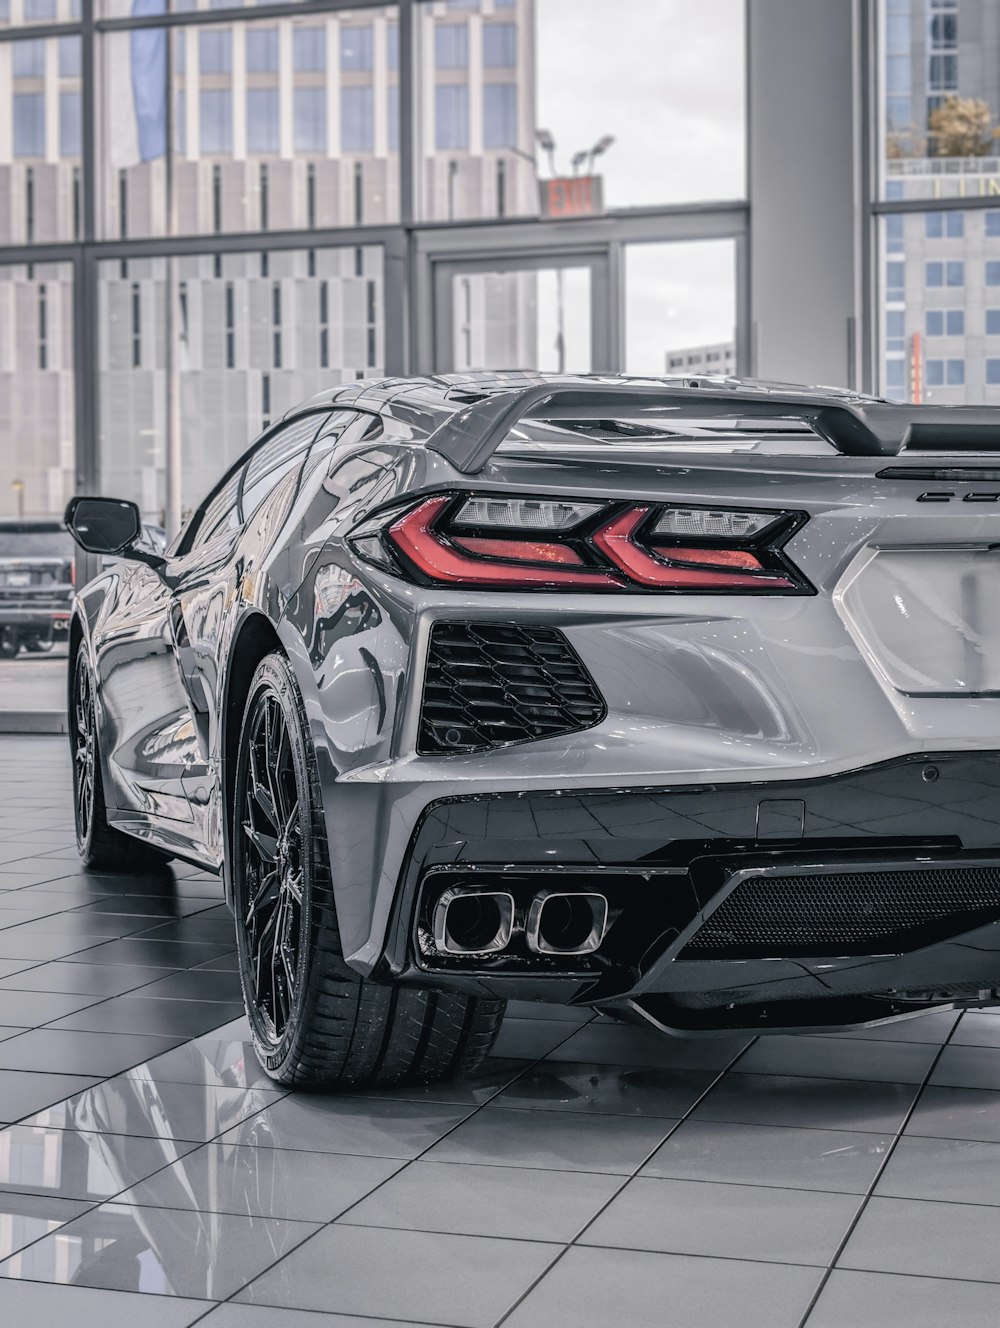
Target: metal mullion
[(980, 203), (38, 253), (234, 14), (254, 242), (407, 115), (40, 31), (88, 133)]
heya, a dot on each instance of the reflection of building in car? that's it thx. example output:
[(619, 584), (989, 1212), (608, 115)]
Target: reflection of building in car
[(36, 585)]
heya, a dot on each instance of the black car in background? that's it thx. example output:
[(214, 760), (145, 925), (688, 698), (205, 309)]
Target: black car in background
[(36, 584)]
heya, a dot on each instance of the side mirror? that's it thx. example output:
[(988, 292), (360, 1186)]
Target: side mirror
[(109, 526)]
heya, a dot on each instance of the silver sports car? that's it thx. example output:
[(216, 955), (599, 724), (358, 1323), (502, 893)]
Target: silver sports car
[(676, 698)]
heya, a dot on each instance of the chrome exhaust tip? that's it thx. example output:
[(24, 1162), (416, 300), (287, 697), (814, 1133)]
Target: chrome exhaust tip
[(473, 922), (561, 923)]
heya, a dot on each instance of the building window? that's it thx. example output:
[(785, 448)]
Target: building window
[(29, 124), (216, 109), (29, 59), (993, 224), (309, 49), (262, 119), (499, 46), (136, 326), (70, 113), (993, 372), (944, 225), (895, 330), (499, 115), (180, 53), (43, 327), (993, 273), (451, 46), (894, 233), (993, 322), (951, 273), (392, 114), (262, 50), (180, 122), (945, 373), (230, 326), (357, 132), (310, 118), (451, 116), (392, 46), (945, 322), (895, 374), (70, 57), (215, 52), (37, 11), (895, 275), (356, 47)]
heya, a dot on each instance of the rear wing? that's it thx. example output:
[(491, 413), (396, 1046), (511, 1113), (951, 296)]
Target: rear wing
[(855, 426)]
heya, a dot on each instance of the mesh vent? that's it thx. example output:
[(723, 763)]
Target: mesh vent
[(848, 913), (488, 684)]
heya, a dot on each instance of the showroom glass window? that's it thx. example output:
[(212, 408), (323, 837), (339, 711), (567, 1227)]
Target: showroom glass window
[(490, 75), (939, 267)]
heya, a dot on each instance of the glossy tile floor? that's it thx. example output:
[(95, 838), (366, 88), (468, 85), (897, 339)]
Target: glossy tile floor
[(591, 1174)]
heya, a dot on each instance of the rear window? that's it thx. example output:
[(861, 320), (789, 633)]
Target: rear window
[(34, 539), (779, 437)]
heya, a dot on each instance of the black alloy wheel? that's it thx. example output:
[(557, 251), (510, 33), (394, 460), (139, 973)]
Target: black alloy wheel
[(100, 845), (84, 729), (271, 918), (313, 1018)]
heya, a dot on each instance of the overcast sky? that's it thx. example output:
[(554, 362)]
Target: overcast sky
[(666, 78)]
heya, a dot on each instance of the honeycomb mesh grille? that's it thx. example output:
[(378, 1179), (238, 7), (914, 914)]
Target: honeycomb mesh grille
[(488, 684), (847, 913)]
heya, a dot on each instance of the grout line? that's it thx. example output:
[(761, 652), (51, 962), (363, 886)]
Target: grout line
[(878, 1175), (627, 1181)]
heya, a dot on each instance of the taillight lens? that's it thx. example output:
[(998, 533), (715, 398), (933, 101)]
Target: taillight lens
[(506, 543)]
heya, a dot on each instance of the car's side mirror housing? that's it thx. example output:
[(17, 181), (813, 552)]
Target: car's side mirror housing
[(109, 526)]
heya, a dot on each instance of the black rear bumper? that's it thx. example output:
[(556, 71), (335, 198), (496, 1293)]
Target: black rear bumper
[(896, 938)]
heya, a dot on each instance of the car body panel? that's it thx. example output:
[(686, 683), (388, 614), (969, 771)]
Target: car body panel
[(715, 701)]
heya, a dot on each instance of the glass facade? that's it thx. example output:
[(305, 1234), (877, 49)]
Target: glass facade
[(210, 216), (939, 267)]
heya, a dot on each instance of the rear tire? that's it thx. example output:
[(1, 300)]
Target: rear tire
[(313, 1018), (100, 845)]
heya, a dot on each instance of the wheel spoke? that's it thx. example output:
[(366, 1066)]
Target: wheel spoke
[(266, 845), (260, 791)]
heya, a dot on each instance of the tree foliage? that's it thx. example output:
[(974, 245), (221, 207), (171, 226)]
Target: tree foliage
[(962, 127)]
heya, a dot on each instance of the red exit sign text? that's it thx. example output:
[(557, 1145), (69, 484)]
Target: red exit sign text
[(571, 196)]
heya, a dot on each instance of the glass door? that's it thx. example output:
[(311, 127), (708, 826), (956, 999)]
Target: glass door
[(520, 312)]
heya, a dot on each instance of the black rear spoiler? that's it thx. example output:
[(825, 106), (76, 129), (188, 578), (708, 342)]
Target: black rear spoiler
[(855, 426)]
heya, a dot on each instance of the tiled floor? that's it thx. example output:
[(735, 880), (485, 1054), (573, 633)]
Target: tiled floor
[(591, 1174)]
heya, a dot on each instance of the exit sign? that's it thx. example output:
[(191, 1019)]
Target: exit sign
[(571, 196)]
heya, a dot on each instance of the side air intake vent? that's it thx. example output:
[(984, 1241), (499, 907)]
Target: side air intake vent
[(490, 684), (862, 912)]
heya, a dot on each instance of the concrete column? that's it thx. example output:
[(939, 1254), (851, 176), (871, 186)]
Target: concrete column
[(805, 187)]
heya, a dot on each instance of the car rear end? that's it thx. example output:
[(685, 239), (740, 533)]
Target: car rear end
[(36, 584), (701, 723)]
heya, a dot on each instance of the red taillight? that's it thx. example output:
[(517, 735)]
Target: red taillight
[(617, 541), (436, 557), (508, 543)]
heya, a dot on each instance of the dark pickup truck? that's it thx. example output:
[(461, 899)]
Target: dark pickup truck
[(36, 584)]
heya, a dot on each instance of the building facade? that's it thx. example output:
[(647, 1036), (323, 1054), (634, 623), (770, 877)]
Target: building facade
[(940, 312), (256, 126)]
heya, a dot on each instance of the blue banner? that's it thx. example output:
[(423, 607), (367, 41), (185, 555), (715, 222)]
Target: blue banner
[(149, 82)]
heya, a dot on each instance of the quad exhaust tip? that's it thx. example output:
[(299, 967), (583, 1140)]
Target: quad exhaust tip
[(561, 923), (473, 922), (477, 922)]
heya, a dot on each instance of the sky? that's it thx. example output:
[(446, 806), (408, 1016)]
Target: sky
[(666, 78)]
